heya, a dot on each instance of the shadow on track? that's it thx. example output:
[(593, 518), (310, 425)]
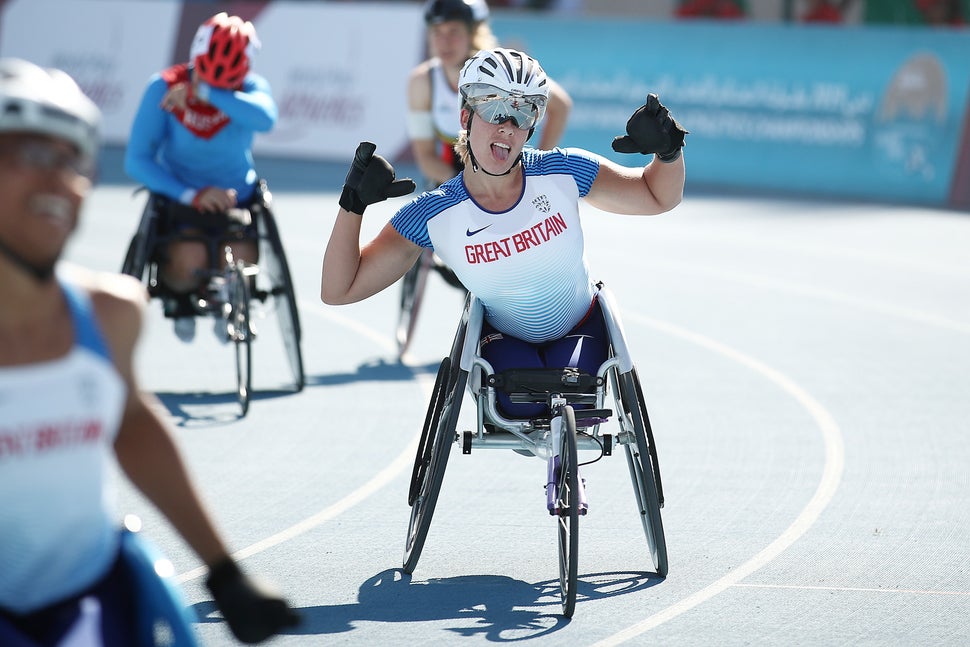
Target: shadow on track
[(377, 370), (201, 409), (502, 609)]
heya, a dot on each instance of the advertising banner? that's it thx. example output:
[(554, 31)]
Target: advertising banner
[(339, 74), (870, 112), (338, 71), (111, 48), (844, 111)]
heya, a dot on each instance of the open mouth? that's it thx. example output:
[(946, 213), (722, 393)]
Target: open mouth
[(56, 209), (501, 152)]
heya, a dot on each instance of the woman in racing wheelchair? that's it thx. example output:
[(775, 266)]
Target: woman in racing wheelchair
[(509, 224), (191, 146)]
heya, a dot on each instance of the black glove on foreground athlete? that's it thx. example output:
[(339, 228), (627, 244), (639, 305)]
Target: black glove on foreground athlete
[(254, 610), (651, 129), (371, 179)]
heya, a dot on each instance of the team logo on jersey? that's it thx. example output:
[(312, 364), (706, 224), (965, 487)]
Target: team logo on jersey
[(542, 203), (538, 234), (202, 119)]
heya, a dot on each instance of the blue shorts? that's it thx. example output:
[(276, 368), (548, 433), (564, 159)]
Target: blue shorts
[(585, 347)]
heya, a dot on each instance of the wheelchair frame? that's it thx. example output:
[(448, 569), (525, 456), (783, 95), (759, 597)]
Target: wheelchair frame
[(269, 279), (556, 438), (163, 616)]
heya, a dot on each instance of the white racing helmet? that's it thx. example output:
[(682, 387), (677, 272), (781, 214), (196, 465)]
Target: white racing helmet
[(505, 83), (48, 102)]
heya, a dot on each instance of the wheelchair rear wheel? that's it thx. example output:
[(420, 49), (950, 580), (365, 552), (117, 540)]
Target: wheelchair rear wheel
[(412, 294), (274, 282), (642, 461), (567, 511), (429, 470), (142, 244)]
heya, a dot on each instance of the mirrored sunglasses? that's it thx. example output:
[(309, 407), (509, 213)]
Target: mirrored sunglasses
[(496, 106)]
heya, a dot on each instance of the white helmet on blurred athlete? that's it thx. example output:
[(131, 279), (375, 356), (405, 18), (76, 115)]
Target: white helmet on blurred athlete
[(47, 101), (505, 84)]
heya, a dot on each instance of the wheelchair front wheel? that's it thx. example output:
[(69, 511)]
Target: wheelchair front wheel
[(437, 437), (240, 333), (567, 511)]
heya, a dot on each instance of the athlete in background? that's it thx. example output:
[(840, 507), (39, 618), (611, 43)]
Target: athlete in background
[(70, 403), (191, 141), (456, 30)]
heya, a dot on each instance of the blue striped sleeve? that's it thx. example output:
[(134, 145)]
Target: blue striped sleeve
[(582, 165)]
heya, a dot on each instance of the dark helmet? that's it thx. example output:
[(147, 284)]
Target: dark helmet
[(467, 11)]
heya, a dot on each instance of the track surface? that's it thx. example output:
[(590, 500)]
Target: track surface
[(806, 369)]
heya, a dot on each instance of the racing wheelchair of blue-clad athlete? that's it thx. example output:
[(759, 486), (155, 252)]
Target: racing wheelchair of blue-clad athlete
[(235, 292), (576, 419), (162, 616)]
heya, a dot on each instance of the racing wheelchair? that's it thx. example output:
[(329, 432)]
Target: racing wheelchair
[(575, 420), (412, 295), (236, 292), (163, 616)]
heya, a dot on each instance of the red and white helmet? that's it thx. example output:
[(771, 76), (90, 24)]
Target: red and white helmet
[(222, 50)]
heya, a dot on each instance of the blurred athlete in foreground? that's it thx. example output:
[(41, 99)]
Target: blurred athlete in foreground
[(70, 403)]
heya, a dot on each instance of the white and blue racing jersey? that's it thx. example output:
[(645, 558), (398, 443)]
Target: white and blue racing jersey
[(527, 264), (445, 104), (58, 423)]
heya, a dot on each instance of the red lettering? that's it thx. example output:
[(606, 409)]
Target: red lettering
[(472, 254), (46, 438), (10, 445), (558, 224), (91, 430)]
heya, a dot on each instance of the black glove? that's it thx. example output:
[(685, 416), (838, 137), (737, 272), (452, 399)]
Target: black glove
[(254, 610), (651, 129), (371, 179)]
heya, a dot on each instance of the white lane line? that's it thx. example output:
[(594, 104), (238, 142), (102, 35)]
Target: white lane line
[(382, 478), (828, 483), (851, 589)]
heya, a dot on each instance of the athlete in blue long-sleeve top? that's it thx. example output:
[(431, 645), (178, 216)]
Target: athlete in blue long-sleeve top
[(192, 137)]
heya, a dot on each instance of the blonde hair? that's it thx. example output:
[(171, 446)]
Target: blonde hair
[(482, 38), (462, 149)]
